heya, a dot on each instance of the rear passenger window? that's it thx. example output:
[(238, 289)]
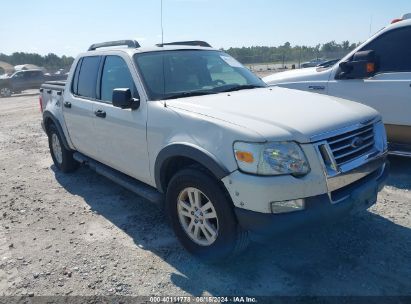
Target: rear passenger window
[(393, 50), (74, 84), (86, 86), (116, 74)]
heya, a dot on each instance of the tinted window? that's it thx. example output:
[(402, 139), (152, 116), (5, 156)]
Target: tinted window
[(393, 50), (88, 77), (116, 74), (32, 74), (74, 84), (18, 75)]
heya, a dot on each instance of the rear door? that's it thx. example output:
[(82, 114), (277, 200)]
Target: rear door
[(78, 106), (121, 133), (389, 91)]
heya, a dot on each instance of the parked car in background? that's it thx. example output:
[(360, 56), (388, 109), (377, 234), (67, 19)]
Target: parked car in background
[(25, 80), (328, 63), (312, 63), (377, 73), (188, 126)]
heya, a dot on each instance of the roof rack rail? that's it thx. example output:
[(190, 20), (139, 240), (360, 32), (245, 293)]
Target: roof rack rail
[(128, 43), (189, 43)]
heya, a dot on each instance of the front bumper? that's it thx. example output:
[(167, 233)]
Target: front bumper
[(319, 209)]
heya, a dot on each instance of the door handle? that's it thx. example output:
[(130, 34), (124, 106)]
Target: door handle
[(67, 104), (316, 87), (100, 113)]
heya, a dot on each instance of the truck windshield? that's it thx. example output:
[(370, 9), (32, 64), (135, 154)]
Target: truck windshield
[(184, 73)]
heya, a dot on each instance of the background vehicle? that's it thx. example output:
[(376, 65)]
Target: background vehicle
[(312, 63), (328, 63), (24, 80), (377, 73), (187, 126)]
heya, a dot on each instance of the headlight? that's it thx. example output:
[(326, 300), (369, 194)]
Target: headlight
[(274, 158)]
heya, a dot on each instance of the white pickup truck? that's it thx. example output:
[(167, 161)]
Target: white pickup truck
[(187, 126), (377, 74)]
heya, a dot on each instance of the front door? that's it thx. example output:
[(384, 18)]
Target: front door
[(121, 133)]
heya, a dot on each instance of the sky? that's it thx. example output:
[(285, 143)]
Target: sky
[(71, 26)]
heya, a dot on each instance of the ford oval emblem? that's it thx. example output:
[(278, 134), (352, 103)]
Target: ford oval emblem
[(357, 142)]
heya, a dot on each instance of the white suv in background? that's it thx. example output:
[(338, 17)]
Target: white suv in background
[(377, 73)]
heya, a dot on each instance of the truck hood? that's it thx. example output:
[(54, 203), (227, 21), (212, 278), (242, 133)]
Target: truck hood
[(278, 114), (300, 75)]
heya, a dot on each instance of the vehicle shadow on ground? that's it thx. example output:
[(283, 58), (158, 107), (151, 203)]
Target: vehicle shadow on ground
[(362, 255), (400, 172)]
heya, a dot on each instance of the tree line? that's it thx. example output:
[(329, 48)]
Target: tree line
[(287, 53), (246, 55), (51, 61)]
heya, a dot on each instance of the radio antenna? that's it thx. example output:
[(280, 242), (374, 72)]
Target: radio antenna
[(162, 30)]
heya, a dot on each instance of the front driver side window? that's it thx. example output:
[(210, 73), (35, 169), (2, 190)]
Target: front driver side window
[(393, 50), (116, 74)]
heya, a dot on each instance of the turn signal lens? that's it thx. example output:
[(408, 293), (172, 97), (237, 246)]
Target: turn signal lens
[(244, 156), (370, 67)]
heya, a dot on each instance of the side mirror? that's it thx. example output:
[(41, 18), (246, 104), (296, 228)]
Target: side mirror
[(362, 65), (122, 99)]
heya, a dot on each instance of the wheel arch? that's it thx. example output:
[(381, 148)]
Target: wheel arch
[(48, 120), (185, 154)]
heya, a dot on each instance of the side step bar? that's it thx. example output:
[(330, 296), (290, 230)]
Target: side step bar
[(149, 193)]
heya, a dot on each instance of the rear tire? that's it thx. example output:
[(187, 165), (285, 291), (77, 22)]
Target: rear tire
[(62, 158), (202, 216)]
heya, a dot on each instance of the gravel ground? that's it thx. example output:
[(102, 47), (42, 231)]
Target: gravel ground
[(80, 234)]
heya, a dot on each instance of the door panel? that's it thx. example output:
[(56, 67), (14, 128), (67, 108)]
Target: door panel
[(78, 106), (79, 119), (399, 134), (121, 137), (18, 81), (389, 94), (121, 133)]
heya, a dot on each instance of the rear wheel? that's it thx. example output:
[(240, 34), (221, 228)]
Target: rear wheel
[(202, 216), (62, 157)]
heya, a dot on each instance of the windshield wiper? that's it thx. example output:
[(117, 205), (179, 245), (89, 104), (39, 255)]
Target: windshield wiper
[(242, 87), (188, 94)]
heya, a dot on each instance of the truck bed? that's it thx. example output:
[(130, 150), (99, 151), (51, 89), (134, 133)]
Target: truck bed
[(54, 85)]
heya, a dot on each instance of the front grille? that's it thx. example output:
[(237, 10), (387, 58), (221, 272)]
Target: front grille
[(351, 145)]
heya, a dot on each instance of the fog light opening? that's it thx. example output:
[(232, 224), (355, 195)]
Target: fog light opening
[(287, 206)]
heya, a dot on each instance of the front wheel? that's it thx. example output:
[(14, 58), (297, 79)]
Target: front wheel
[(62, 158), (5, 92), (202, 216)]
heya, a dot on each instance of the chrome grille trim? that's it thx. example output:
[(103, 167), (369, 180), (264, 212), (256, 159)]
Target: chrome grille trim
[(332, 142), (343, 146), (353, 151)]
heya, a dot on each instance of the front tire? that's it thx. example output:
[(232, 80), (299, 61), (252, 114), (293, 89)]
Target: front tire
[(5, 92), (202, 216), (62, 158)]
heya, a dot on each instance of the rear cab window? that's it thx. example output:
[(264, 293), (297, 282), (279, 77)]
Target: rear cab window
[(85, 77)]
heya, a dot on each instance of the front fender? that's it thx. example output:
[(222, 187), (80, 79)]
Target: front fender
[(190, 151)]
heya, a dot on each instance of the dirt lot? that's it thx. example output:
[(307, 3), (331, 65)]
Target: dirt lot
[(80, 234)]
